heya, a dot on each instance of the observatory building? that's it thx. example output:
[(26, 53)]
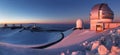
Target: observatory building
[(79, 24), (101, 18)]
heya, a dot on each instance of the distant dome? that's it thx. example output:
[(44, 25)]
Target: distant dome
[(79, 23), (101, 11)]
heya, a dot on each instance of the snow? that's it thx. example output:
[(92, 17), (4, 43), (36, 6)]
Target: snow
[(27, 38), (102, 50), (68, 32), (11, 43), (75, 42), (6, 32), (108, 43), (75, 53), (95, 45), (75, 37), (115, 50)]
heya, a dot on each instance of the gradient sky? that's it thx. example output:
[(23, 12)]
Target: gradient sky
[(50, 11)]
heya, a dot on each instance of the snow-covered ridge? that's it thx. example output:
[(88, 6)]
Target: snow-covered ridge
[(27, 38), (84, 42)]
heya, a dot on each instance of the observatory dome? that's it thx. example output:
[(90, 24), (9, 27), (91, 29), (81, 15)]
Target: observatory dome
[(101, 11), (79, 24)]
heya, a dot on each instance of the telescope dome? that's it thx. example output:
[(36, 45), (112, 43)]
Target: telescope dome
[(79, 24), (101, 11)]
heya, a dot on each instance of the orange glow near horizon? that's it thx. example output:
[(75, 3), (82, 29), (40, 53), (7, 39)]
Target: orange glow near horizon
[(15, 21), (41, 21), (18, 21)]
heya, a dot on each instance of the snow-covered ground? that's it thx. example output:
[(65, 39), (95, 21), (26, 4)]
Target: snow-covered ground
[(24, 38), (75, 42), (27, 38), (75, 37)]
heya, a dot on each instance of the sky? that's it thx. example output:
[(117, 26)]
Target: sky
[(50, 11)]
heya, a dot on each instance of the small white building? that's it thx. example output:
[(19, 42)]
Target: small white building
[(79, 24)]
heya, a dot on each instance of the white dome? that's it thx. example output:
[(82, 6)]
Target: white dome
[(79, 23)]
